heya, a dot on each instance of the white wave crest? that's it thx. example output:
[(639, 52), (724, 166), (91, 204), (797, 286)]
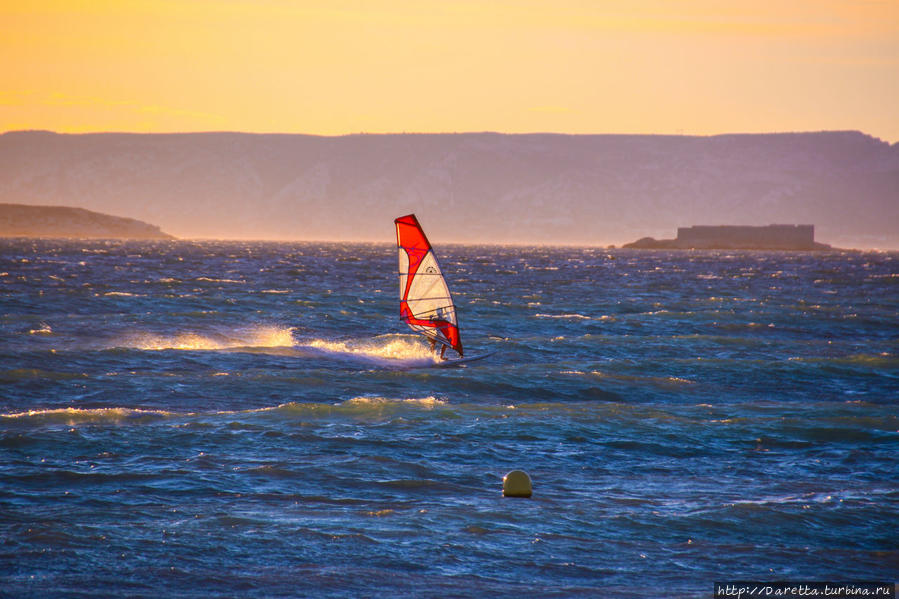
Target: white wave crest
[(214, 280), (424, 402), (43, 329), (75, 416)]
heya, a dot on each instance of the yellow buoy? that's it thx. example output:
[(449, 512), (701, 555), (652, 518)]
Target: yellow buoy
[(517, 484)]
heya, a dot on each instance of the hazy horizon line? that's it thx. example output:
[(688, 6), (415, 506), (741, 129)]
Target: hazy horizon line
[(441, 243), (472, 132)]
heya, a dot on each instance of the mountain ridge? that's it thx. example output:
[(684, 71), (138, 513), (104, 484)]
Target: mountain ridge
[(465, 187)]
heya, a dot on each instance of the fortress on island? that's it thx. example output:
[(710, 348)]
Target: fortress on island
[(733, 237)]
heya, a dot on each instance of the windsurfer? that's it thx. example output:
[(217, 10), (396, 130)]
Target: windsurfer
[(442, 348), (425, 301), (438, 324)]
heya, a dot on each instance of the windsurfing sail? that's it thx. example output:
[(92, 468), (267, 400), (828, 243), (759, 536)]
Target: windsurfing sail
[(425, 301)]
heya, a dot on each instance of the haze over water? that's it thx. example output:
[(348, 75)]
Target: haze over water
[(188, 419)]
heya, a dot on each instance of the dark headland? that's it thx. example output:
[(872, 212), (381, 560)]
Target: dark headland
[(19, 220), (732, 237)]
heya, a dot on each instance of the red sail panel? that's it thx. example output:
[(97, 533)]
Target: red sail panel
[(425, 301)]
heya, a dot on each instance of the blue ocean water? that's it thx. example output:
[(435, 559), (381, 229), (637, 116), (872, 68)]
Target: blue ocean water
[(200, 419)]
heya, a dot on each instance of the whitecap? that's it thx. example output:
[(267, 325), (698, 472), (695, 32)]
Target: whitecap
[(425, 402), (74, 416), (212, 280), (43, 329)]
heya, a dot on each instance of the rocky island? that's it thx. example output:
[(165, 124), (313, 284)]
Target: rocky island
[(20, 220), (732, 237)]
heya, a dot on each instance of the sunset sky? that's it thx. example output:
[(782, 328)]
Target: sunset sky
[(339, 66)]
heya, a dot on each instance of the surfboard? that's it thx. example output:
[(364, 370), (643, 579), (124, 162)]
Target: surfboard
[(452, 363)]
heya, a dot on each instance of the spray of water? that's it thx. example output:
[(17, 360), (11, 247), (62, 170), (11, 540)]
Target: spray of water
[(390, 347), (257, 336)]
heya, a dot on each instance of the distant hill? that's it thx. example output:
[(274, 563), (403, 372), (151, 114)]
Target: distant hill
[(472, 187), (18, 220)]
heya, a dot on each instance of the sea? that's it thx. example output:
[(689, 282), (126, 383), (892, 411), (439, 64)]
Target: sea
[(194, 419)]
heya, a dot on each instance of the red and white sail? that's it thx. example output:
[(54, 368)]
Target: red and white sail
[(425, 301)]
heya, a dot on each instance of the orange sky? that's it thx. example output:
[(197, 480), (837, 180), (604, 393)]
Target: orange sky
[(340, 66)]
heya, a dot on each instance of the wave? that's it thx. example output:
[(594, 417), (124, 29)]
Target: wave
[(424, 402), (76, 416), (70, 417), (25, 374), (361, 407), (256, 336), (214, 280), (884, 359), (665, 381), (42, 329)]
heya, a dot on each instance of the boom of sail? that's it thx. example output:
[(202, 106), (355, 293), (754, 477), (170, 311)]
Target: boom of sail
[(425, 301)]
